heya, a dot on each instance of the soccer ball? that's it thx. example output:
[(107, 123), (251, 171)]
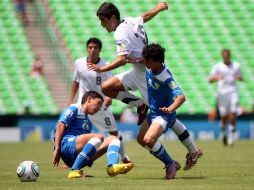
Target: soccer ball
[(28, 171)]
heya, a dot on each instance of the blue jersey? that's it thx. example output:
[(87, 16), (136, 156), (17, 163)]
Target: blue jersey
[(162, 90), (76, 121)]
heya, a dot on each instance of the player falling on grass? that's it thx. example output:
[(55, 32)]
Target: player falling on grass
[(77, 146), (226, 73), (165, 97), (130, 38), (85, 80)]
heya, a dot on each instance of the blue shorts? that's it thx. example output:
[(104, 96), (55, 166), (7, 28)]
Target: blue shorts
[(68, 150), (166, 121)]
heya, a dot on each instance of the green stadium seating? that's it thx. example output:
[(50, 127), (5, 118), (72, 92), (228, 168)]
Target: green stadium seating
[(16, 85), (193, 33)]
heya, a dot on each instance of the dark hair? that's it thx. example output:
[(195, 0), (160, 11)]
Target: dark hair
[(108, 9), (226, 50), (94, 41), (154, 52), (91, 94)]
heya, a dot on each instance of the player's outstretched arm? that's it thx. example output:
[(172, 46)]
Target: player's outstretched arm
[(152, 13), (60, 128), (119, 61), (74, 90), (179, 100)]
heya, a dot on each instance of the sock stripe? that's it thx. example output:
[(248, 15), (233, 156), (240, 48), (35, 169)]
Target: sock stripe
[(184, 135)]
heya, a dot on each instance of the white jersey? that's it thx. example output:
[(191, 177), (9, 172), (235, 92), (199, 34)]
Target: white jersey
[(88, 79), (228, 83), (131, 38)]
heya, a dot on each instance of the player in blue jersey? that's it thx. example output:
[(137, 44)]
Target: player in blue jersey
[(77, 146), (164, 98)]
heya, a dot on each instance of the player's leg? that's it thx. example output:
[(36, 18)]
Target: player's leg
[(194, 153), (232, 118), (224, 106), (105, 121), (150, 142), (114, 168), (128, 81), (114, 88), (86, 147)]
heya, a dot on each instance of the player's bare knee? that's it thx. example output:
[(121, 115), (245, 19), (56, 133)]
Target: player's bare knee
[(149, 141)]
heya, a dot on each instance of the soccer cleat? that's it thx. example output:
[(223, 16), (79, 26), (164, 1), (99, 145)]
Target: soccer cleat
[(75, 174), (142, 110), (119, 169), (192, 158), (171, 170)]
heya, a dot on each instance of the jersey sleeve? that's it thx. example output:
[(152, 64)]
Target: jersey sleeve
[(68, 115), (238, 71), (76, 76), (166, 77), (174, 88), (214, 71), (122, 43)]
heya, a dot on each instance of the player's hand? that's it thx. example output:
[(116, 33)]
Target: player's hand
[(167, 110), (162, 6), (108, 101), (93, 67), (56, 157)]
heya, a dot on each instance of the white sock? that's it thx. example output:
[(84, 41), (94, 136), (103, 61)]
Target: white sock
[(122, 148), (231, 135), (129, 99), (184, 136)]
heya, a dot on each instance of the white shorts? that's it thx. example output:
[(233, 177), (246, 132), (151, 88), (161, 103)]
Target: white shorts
[(133, 80), (228, 103), (104, 120)]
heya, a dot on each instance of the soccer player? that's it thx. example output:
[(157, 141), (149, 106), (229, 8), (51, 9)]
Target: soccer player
[(226, 73), (85, 80), (77, 146), (165, 97), (130, 38)]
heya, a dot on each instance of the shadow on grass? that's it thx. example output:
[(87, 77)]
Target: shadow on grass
[(177, 178)]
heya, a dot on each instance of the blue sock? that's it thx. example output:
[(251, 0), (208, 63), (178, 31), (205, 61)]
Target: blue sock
[(84, 157), (159, 152), (113, 152)]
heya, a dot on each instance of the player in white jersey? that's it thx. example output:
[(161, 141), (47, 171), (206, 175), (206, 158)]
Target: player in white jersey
[(130, 38), (86, 80), (226, 73)]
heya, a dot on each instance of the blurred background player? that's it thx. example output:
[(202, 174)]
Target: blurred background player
[(130, 38), (85, 80), (77, 146), (226, 73), (165, 97)]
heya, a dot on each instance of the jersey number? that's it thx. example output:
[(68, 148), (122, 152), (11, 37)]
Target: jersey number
[(107, 121), (98, 80), (140, 33)]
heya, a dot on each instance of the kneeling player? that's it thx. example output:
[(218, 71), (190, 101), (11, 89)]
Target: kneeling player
[(77, 146), (164, 98)]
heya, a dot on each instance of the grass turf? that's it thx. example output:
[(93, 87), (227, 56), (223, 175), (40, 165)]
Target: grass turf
[(219, 168)]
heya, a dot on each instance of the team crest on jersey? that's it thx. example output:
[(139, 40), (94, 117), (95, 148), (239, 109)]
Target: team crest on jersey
[(172, 85), (155, 85)]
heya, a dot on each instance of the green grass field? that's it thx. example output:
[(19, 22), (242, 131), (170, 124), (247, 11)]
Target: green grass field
[(219, 168)]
